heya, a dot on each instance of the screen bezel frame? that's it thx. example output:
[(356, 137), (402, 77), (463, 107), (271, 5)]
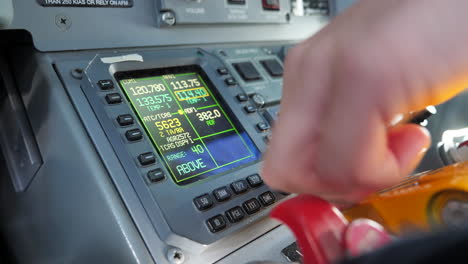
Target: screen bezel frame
[(120, 156)]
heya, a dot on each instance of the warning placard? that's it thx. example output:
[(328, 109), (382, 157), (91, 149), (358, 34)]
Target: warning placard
[(86, 3)]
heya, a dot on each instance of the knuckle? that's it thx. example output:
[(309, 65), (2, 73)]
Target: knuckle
[(364, 178), (276, 183), (279, 179), (363, 61), (354, 64)]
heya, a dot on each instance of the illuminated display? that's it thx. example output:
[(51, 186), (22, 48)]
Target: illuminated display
[(187, 124)]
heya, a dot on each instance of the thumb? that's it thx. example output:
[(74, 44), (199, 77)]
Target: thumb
[(408, 143)]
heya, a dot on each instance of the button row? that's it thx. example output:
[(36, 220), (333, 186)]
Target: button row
[(262, 126), (111, 98), (145, 159), (237, 213), (229, 80), (249, 73), (250, 109), (132, 134), (222, 194)]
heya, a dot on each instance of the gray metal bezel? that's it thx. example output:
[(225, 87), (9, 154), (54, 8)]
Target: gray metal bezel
[(155, 197), (109, 28)]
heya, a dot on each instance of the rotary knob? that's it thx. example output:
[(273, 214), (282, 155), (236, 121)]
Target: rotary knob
[(258, 100)]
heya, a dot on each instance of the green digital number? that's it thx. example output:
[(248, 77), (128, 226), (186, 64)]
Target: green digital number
[(198, 149)]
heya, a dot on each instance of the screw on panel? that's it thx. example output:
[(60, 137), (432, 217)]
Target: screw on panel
[(77, 73), (223, 53), (268, 51), (63, 22), (175, 256), (168, 18)]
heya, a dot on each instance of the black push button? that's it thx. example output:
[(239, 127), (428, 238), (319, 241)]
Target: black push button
[(255, 180), (239, 186), (105, 84), (230, 81), (113, 98), (251, 206), (242, 98), (216, 223), (125, 120), (236, 2), (273, 5), (134, 134), (222, 194), (203, 202), (147, 158), (223, 71), (235, 214), (263, 126), (156, 175), (292, 253), (267, 198), (247, 71), (273, 67), (250, 109)]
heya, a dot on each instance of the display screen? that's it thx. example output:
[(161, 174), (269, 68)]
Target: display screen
[(196, 136)]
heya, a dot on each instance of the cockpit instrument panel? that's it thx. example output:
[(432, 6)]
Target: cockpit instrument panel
[(160, 112), (188, 135)]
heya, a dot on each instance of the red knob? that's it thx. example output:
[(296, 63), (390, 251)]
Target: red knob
[(318, 226), (323, 233)]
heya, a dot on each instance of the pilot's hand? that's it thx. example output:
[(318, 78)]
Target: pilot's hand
[(343, 86)]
